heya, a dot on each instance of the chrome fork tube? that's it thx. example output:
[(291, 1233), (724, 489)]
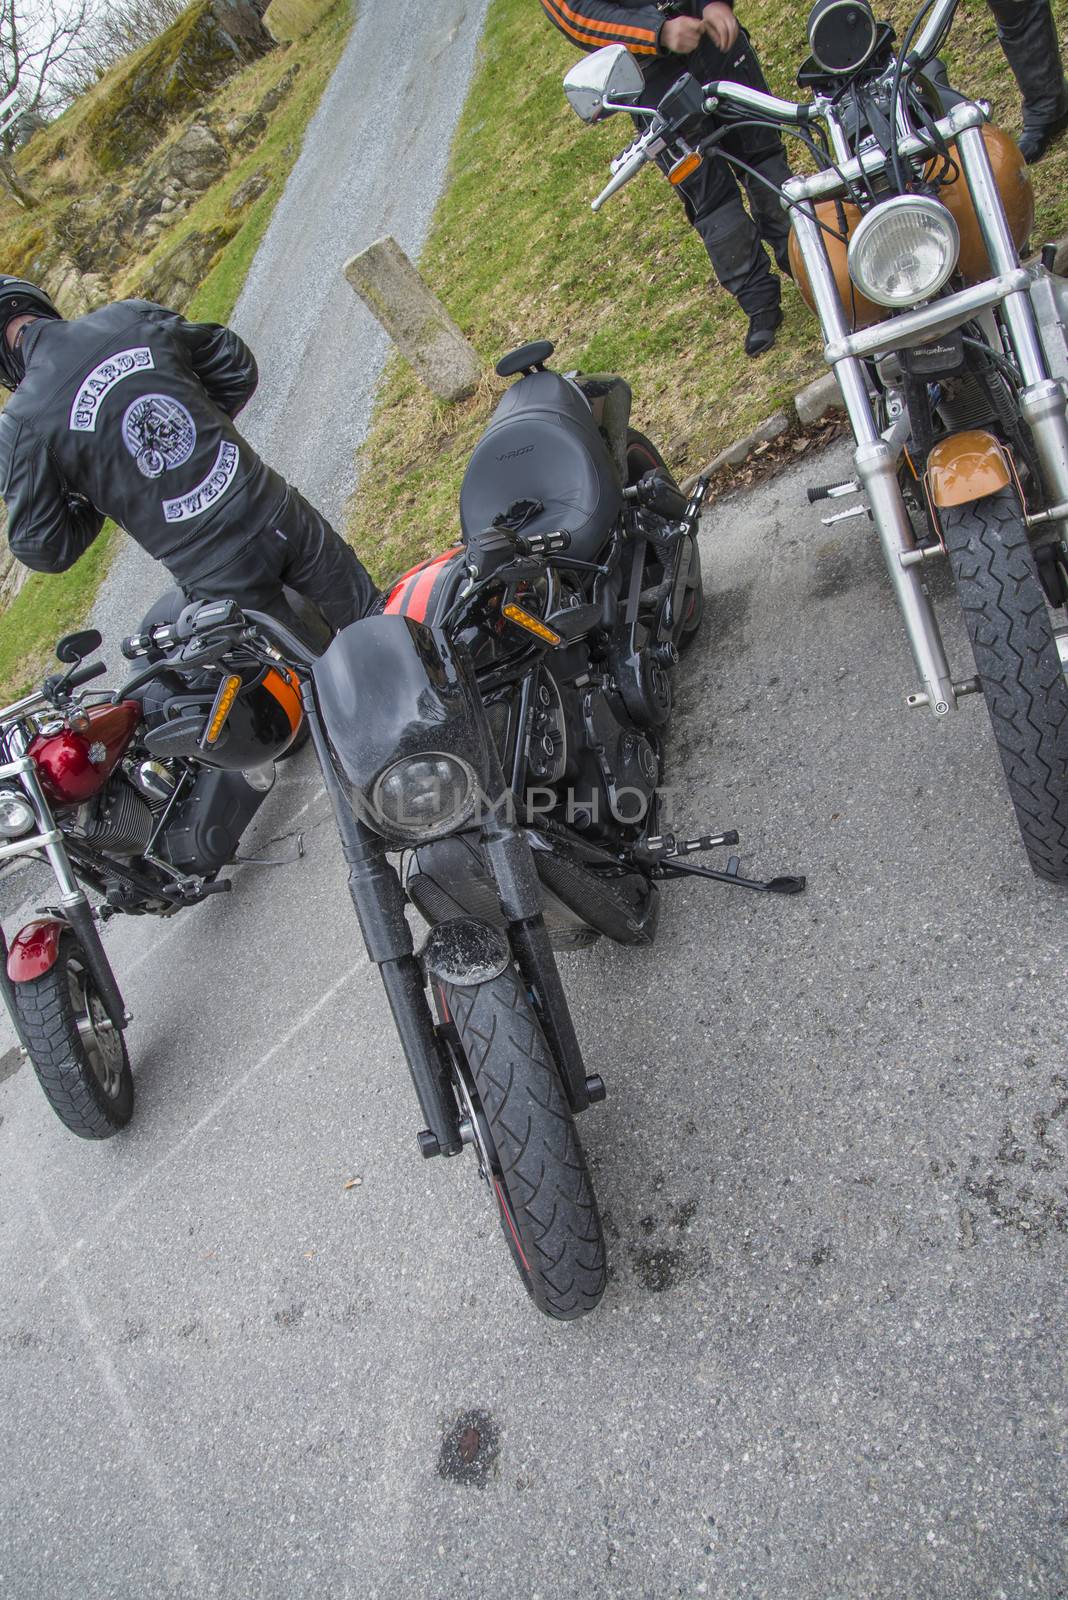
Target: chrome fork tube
[(1042, 400), (877, 470)]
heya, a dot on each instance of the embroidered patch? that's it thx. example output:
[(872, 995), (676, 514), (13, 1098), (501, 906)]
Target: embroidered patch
[(101, 381), (159, 433), (205, 495)]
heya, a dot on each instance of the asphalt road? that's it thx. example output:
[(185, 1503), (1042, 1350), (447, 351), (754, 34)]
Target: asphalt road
[(832, 1164)]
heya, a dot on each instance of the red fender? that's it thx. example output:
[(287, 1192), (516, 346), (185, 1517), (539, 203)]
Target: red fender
[(34, 949)]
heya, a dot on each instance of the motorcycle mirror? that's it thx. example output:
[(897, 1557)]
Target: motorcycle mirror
[(607, 75), (74, 647)]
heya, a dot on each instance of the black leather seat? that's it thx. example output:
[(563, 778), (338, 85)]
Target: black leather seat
[(543, 444)]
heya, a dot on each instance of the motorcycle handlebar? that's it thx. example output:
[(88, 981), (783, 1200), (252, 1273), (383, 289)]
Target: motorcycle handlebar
[(630, 164), (95, 669), (755, 100)]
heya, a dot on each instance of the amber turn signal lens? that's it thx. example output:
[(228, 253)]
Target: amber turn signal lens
[(228, 691), (684, 166), (533, 625)]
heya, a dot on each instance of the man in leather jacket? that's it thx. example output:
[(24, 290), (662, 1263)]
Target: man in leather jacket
[(705, 39), (1028, 35), (128, 413)]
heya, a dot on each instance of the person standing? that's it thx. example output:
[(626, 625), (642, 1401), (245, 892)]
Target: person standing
[(1028, 35), (128, 413), (707, 41)]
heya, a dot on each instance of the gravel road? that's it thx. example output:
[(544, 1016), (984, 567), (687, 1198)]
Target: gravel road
[(373, 162), (832, 1164)]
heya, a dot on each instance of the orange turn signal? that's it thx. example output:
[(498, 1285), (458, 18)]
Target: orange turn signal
[(228, 692), (684, 166), (533, 625)]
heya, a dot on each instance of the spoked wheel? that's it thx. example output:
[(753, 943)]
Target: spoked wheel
[(643, 457), (520, 1124), (1019, 667), (78, 1055)]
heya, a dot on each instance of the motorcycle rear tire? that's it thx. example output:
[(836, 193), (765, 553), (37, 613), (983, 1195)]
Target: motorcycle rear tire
[(1019, 668), (541, 1185), (643, 457), (84, 1072)]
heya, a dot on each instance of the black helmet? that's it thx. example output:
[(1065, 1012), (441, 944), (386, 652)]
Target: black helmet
[(16, 298)]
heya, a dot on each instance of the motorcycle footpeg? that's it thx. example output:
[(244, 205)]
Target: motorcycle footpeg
[(666, 847), (833, 491)]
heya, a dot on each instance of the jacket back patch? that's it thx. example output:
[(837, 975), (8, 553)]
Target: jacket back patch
[(100, 382), (159, 433)]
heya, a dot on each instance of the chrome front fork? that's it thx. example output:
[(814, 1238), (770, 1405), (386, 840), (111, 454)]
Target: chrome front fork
[(1042, 404), (1042, 400), (877, 470)]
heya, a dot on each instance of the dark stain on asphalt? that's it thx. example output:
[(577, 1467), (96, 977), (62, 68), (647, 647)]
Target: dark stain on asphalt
[(21, 1340), (1021, 1198), (659, 1265), (469, 1449), (833, 573), (10, 1062), (290, 1316), (729, 610), (657, 1270)]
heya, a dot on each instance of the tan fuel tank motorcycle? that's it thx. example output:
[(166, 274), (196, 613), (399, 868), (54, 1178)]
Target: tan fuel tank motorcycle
[(951, 356)]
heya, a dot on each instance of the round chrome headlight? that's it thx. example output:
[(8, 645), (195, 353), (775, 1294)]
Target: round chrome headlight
[(424, 796), (16, 815), (903, 251)]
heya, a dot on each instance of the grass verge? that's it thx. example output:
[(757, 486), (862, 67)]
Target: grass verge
[(48, 606), (516, 254)]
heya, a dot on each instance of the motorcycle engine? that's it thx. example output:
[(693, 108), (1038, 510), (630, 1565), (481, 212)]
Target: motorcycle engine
[(117, 819), (618, 769)]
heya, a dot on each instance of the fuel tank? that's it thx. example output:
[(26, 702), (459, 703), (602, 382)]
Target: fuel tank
[(1017, 196), (74, 766)]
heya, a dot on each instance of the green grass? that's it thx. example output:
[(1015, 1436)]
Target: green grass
[(516, 254), (45, 608), (48, 606)]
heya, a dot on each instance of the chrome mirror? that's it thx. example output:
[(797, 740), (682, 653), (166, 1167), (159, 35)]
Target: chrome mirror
[(606, 76)]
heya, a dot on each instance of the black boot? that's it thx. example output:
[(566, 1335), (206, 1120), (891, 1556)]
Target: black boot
[(1028, 36), (1034, 142), (763, 326)]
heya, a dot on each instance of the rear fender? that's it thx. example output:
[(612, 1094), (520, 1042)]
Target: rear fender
[(34, 949), (967, 467)]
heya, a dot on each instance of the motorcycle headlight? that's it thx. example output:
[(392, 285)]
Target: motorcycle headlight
[(424, 796), (903, 251), (16, 815)]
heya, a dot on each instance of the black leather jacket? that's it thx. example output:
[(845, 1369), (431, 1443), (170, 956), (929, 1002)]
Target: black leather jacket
[(131, 408), (636, 24)]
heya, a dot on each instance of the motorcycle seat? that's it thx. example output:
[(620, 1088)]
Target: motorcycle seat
[(542, 444)]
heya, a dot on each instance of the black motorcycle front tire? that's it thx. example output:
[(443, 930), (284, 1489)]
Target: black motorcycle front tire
[(1019, 668), (60, 1056), (542, 1188)]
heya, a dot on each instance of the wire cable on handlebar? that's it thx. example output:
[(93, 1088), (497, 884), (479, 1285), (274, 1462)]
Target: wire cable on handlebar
[(769, 183), (895, 92)]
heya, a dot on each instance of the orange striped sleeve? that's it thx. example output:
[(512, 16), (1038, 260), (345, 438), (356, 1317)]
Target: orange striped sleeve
[(592, 32)]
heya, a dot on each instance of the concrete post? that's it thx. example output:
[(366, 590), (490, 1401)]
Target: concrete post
[(415, 319)]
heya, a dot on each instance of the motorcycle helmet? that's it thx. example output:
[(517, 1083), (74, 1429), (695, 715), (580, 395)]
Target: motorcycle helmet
[(16, 298), (239, 720)]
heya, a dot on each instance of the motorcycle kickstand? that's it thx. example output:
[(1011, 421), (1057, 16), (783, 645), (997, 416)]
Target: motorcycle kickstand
[(662, 858)]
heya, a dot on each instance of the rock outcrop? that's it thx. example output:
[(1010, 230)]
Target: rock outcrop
[(170, 78)]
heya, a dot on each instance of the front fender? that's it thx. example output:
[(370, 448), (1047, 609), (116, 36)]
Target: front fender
[(967, 467), (34, 949)]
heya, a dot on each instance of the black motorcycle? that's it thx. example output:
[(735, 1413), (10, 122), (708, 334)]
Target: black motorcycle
[(140, 798), (499, 727)]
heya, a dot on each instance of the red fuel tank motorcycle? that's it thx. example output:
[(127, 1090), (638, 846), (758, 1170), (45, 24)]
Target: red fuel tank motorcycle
[(142, 798)]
